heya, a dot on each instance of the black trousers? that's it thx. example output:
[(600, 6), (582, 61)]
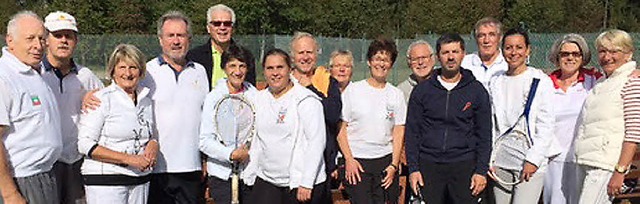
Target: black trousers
[(176, 188), (220, 190), (369, 190), (265, 192), (447, 182)]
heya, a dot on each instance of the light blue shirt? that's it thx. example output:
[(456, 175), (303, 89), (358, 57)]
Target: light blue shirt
[(218, 148)]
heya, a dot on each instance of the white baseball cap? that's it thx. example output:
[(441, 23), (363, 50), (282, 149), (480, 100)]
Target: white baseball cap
[(59, 20)]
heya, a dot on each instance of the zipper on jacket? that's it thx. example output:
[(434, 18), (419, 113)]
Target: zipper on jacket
[(446, 118)]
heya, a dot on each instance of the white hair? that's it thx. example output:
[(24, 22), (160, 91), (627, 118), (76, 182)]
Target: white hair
[(220, 7), (416, 43), (12, 26)]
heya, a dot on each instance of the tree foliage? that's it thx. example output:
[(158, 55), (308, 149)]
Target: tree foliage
[(345, 18)]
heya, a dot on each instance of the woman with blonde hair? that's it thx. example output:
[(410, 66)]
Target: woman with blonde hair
[(117, 137), (602, 125)]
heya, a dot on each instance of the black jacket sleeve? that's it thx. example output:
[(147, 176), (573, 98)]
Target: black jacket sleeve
[(482, 127), (332, 106), (412, 132)]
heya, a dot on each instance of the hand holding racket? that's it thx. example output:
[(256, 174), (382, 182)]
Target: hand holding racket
[(240, 154), (234, 120)]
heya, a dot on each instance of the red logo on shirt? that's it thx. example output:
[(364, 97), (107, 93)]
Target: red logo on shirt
[(466, 106), (35, 101)]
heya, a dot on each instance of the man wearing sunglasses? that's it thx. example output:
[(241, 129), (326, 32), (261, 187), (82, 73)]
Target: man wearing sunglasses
[(220, 22)]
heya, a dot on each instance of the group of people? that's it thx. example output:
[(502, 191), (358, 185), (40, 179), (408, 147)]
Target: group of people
[(482, 125)]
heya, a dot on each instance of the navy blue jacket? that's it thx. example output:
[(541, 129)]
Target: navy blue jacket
[(332, 106), (449, 126)]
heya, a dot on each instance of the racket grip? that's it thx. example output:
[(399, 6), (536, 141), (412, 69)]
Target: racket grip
[(235, 194)]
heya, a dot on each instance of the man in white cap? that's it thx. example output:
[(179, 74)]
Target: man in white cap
[(69, 82), (29, 118)]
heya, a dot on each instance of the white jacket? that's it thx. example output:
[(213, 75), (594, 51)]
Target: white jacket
[(601, 130), (219, 154), (119, 125), (541, 117), (304, 122)]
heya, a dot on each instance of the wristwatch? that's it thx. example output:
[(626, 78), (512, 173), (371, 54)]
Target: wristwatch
[(621, 169)]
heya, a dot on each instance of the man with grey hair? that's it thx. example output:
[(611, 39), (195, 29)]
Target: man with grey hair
[(220, 22), (29, 117), (69, 82), (421, 60), (488, 60), (177, 87), (304, 52)]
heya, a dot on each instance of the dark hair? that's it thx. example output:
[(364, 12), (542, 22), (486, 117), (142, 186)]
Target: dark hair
[(277, 51), (449, 38), (382, 44), (234, 52), (516, 31)]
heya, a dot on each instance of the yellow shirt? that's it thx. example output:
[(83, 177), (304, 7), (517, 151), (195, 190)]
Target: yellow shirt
[(321, 79), (216, 73)]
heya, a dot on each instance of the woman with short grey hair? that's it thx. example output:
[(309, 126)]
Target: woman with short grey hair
[(572, 82)]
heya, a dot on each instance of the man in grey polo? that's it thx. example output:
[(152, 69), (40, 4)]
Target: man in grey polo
[(69, 82), (421, 60), (29, 118)]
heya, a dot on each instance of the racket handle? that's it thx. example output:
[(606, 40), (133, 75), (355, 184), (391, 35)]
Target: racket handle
[(235, 194)]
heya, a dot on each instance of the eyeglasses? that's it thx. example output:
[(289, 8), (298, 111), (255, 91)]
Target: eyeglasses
[(219, 23), (421, 58), (612, 52), (567, 54), (381, 60)]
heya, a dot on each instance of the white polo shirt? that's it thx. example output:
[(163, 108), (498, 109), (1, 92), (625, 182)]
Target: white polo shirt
[(371, 114), (29, 109), (69, 91), (482, 72), (178, 100)]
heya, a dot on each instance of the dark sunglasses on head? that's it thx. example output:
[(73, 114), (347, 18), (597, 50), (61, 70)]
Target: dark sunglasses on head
[(218, 23)]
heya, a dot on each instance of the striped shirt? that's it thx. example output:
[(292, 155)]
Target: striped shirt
[(631, 101)]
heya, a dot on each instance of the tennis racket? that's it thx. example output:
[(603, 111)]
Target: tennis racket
[(235, 118), (510, 151)]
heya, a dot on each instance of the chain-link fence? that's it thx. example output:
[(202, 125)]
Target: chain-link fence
[(93, 50)]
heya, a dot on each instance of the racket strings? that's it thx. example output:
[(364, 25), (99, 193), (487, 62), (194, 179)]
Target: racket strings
[(235, 120)]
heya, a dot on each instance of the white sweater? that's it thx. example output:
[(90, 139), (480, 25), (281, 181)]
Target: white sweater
[(541, 116), (601, 130), (291, 138), (117, 124)]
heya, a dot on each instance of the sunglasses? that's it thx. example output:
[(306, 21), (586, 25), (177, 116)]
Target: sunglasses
[(219, 23)]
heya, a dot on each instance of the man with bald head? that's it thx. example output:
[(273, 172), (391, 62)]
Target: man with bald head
[(304, 53), (29, 118)]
